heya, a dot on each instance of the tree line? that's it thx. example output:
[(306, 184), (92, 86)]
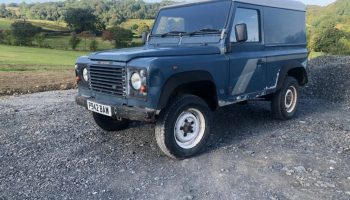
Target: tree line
[(23, 33), (90, 18), (110, 12), (84, 18)]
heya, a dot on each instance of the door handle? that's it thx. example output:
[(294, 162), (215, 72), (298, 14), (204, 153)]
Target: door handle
[(260, 62)]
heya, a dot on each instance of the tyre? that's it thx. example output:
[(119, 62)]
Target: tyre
[(284, 103), (182, 128), (110, 124)]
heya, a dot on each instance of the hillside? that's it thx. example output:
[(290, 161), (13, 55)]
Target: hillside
[(109, 12), (338, 12), (45, 24)]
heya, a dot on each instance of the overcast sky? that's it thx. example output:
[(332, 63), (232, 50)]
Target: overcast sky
[(313, 2)]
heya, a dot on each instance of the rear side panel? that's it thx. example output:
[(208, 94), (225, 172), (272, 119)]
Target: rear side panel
[(285, 43)]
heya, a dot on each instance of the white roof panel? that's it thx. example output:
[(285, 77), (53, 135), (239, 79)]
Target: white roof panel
[(286, 4)]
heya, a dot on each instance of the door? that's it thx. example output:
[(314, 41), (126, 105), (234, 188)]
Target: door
[(247, 59)]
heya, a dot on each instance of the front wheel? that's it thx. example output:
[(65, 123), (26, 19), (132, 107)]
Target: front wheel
[(284, 103), (183, 127), (110, 124)]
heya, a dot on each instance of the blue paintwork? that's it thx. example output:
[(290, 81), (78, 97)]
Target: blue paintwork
[(125, 55), (239, 71)]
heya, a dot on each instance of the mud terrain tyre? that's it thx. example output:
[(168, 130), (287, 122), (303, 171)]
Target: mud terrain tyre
[(284, 103), (110, 124), (183, 127)]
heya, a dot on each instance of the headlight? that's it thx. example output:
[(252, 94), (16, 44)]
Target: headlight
[(136, 81), (85, 75)]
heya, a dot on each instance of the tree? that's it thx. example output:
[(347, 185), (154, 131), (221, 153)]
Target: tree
[(24, 32), (142, 28), (86, 35), (12, 5), (2, 37), (134, 27), (6, 37), (82, 19), (74, 41), (3, 11), (40, 39), (327, 39), (121, 36), (342, 47), (107, 36), (117, 19), (93, 45)]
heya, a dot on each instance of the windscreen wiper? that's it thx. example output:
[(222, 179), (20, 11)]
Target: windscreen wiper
[(205, 31), (173, 33)]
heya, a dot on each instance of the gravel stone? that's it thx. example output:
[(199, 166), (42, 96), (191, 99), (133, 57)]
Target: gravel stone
[(189, 197), (300, 169), (50, 148), (329, 78), (332, 161)]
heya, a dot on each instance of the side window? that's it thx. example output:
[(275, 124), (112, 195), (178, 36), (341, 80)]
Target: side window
[(251, 18)]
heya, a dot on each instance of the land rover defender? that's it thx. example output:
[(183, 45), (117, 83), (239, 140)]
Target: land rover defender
[(198, 57)]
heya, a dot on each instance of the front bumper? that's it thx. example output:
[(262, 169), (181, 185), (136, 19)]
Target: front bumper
[(123, 111)]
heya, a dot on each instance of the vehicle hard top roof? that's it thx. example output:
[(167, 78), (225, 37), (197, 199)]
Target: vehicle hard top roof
[(285, 4)]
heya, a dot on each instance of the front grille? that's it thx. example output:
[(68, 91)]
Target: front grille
[(108, 79)]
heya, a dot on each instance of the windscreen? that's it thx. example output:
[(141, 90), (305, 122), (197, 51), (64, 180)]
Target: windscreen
[(188, 19)]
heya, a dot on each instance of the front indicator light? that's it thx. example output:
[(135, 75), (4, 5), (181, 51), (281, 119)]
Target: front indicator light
[(143, 89)]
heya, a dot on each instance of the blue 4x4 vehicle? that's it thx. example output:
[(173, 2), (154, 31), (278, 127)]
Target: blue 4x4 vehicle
[(198, 57)]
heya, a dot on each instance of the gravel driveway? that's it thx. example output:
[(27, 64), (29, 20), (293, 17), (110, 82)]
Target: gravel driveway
[(51, 149)]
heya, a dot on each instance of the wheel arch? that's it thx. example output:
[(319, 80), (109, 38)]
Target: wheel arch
[(190, 82), (293, 69)]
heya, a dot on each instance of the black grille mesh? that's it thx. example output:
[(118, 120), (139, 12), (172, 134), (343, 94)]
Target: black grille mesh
[(108, 79)]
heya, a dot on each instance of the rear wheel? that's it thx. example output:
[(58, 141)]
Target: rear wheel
[(183, 127), (110, 124), (284, 103)]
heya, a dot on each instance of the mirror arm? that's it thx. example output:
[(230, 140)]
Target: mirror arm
[(148, 35), (223, 32)]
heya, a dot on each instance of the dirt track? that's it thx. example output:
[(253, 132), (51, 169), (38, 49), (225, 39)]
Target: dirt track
[(26, 82)]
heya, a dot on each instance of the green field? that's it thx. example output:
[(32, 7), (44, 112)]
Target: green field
[(128, 23), (14, 58), (5, 24), (50, 25)]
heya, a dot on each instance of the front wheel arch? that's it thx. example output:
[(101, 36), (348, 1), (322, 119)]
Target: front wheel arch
[(189, 80)]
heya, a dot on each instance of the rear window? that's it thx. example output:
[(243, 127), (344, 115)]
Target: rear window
[(284, 26)]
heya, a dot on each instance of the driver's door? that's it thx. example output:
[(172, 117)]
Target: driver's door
[(247, 59)]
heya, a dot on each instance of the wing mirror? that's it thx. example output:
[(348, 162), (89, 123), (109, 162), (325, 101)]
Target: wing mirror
[(241, 32), (144, 36)]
